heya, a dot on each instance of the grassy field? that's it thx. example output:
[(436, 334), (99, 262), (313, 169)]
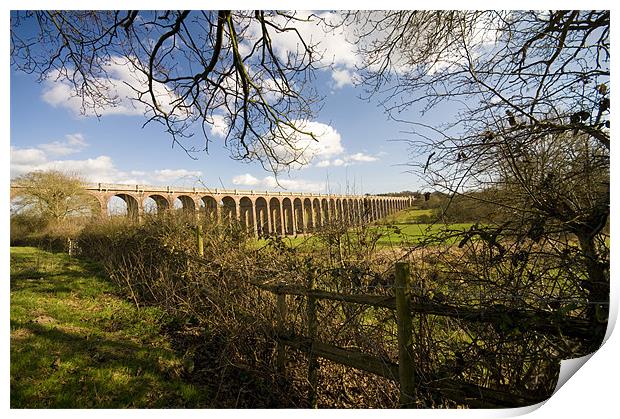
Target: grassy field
[(409, 234), (75, 344), (408, 216), (399, 229)]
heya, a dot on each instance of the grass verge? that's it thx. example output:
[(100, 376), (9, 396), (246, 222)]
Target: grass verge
[(76, 344)]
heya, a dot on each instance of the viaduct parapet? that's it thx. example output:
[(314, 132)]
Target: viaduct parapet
[(265, 212)]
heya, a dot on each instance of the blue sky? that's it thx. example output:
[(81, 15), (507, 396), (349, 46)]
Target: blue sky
[(363, 128), (47, 131)]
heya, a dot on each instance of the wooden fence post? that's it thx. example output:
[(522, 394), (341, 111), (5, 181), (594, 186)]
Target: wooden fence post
[(405, 335), (200, 240), (281, 348), (313, 364)]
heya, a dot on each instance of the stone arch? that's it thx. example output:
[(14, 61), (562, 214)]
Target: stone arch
[(316, 214), (356, 211), (246, 214), (275, 216), (287, 216), (309, 225), (338, 211), (345, 211), (96, 205), (229, 209), (185, 204), (132, 205), (298, 212), (210, 208), (324, 212), (262, 219), (362, 204), (350, 202), (102, 205), (155, 204), (366, 210)]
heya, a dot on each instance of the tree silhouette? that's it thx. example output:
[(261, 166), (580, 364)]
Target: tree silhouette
[(187, 70)]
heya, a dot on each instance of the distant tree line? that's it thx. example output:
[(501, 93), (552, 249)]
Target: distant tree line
[(471, 206)]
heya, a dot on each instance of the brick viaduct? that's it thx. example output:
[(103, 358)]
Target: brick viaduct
[(281, 213)]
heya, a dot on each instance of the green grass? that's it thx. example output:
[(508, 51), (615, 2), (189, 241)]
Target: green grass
[(404, 227), (401, 228), (402, 234), (75, 344), (408, 216)]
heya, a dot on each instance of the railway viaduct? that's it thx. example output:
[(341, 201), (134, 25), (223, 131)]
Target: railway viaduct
[(281, 213)]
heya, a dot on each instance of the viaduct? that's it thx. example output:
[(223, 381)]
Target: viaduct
[(280, 213)]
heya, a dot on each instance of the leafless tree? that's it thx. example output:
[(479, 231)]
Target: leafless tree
[(53, 196), (532, 92), (190, 69)]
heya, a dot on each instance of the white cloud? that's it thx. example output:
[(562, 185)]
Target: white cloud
[(76, 139), (245, 179), (338, 44), (361, 157), (347, 160), (219, 127), (120, 89), (324, 150), (171, 175), (343, 77), (74, 143), (98, 169), (294, 184), (270, 182), (328, 141), (302, 149), (57, 93), (27, 156), (331, 43)]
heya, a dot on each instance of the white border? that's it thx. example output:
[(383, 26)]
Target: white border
[(592, 393)]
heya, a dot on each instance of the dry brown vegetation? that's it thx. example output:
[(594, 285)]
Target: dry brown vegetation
[(229, 326)]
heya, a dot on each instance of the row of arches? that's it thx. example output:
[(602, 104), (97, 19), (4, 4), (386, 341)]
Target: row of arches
[(264, 215)]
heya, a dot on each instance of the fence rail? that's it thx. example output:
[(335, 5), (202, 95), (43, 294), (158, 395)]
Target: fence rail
[(538, 320), (405, 305), (472, 394)]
